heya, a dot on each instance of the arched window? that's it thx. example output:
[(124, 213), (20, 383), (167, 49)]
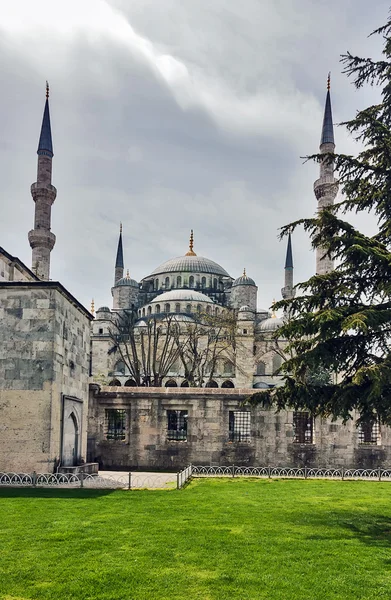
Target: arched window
[(261, 368), (221, 285), (188, 308), (179, 281), (228, 368), (277, 362), (199, 307), (115, 383), (177, 308), (149, 310), (191, 281), (171, 383), (207, 310), (130, 383), (167, 308), (217, 311), (185, 384), (139, 313), (119, 367), (157, 309), (143, 312), (227, 384), (215, 283), (203, 283), (211, 384), (167, 283)]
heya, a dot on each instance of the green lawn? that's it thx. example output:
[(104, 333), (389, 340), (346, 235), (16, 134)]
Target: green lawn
[(216, 539)]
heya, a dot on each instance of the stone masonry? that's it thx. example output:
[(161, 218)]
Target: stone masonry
[(271, 441), (44, 372)]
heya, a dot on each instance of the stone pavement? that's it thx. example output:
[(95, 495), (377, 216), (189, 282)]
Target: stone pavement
[(142, 479)]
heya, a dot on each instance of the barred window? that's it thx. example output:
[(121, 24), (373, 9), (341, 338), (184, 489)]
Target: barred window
[(369, 433), (177, 425), (115, 424), (302, 428), (239, 426)]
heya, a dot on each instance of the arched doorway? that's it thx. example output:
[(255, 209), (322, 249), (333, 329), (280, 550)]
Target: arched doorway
[(71, 441), (185, 384), (130, 383)]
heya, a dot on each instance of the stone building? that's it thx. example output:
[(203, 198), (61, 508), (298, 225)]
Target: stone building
[(49, 403), (44, 348)]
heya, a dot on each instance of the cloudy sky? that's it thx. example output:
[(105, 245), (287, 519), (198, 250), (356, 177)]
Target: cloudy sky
[(169, 115)]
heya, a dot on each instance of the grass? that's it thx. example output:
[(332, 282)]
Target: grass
[(214, 540)]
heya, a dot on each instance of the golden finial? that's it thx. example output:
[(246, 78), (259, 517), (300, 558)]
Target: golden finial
[(47, 89), (191, 245), (328, 81), (92, 307), (244, 272), (120, 227), (273, 311), (127, 274)]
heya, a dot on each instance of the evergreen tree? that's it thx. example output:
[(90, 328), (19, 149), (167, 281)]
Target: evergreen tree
[(341, 324)]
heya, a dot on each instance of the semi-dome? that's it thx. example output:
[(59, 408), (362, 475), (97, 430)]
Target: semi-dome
[(244, 280), (271, 324), (182, 295), (190, 264)]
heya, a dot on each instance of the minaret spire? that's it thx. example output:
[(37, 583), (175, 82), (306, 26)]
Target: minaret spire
[(41, 239), (119, 261), (326, 187), (288, 291)]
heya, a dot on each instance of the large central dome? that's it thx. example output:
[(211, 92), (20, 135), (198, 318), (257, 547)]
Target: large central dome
[(190, 264)]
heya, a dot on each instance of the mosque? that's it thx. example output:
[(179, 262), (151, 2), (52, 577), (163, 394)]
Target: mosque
[(75, 396)]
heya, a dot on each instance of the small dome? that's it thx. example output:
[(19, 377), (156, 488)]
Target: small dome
[(244, 280), (182, 295), (141, 323), (245, 308), (127, 281), (271, 324), (103, 309)]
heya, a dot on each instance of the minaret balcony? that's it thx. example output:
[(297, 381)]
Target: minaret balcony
[(45, 192), (41, 238)]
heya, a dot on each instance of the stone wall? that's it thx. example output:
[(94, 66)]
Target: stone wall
[(44, 357), (271, 442)]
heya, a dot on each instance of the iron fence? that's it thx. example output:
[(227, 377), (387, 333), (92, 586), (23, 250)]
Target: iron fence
[(134, 480), (379, 474), (184, 476), (125, 481)]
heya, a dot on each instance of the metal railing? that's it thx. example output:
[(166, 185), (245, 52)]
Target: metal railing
[(134, 480), (184, 476), (379, 474), (126, 481)]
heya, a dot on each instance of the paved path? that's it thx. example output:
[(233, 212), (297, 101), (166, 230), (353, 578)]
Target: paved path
[(142, 479)]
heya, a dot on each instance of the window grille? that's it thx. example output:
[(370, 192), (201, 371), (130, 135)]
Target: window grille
[(177, 425), (239, 426), (203, 282), (115, 424), (179, 281), (191, 281), (177, 308), (167, 308), (302, 428), (369, 433)]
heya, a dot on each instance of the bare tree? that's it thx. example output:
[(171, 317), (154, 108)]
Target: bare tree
[(149, 350)]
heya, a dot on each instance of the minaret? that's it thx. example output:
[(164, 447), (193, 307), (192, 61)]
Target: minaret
[(41, 239), (119, 261), (326, 187), (288, 291)]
